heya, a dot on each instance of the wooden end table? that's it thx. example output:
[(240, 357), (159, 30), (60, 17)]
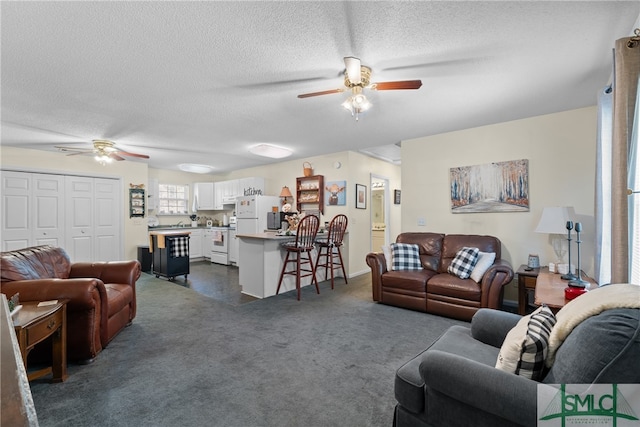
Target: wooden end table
[(33, 325), (526, 282), (550, 290)]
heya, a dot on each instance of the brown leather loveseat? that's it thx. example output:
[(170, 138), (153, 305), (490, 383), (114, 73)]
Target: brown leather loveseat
[(433, 289), (102, 295)]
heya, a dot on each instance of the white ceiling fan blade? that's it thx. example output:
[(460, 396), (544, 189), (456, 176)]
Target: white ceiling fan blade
[(353, 69)]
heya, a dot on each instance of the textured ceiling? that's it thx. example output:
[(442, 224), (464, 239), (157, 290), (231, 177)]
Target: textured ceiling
[(200, 82)]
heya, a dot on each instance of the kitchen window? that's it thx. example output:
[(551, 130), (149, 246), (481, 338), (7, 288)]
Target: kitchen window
[(173, 199)]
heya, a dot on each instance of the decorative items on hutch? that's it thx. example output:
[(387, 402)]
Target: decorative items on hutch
[(310, 193), (136, 200)]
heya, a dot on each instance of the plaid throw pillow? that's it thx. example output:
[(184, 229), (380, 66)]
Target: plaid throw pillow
[(536, 344), (525, 347), (405, 256), (462, 265)]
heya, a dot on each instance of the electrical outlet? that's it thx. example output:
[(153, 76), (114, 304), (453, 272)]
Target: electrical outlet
[(421, 221)]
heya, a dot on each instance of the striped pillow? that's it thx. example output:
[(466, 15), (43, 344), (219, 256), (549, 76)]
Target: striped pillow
[(525, 347)]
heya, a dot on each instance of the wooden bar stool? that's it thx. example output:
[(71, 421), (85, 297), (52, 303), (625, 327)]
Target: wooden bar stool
[(301, 248), (329, 248)]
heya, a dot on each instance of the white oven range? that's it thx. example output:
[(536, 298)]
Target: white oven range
[(220, 246)]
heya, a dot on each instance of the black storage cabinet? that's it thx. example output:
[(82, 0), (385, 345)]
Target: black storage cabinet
[(144, 257), (164, 264)]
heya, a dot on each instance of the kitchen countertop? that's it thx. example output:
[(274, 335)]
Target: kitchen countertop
[(200, 227)]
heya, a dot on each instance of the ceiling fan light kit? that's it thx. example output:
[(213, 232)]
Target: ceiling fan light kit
[(358, 77), (104, 151)]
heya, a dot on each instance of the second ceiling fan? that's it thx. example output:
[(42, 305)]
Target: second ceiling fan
[(358, 77)]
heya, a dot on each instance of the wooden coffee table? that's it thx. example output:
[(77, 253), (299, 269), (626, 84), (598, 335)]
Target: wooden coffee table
[(33, 325), (550, 290)]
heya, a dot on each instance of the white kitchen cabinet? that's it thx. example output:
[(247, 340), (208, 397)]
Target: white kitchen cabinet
[(207, 242), (230, 191), (234, 247), (219, 188), (204, 193), (152, 196), (250, 186), (195, 243), (377, 240)]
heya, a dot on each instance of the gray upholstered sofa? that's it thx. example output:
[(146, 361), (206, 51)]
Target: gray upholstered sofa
[(455, 383)]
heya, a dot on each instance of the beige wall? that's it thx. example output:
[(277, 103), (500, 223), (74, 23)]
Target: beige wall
[(129, 172), (561, 152), (560, 149)]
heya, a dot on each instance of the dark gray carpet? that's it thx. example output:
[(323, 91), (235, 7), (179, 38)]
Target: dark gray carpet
[(189, 360)]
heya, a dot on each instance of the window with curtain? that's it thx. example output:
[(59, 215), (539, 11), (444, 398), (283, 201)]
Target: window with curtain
[(173, 199), (634, 199)]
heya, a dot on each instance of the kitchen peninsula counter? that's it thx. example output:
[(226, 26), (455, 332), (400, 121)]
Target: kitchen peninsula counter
[(261, 260)]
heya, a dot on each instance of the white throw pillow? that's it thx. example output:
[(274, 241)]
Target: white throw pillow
[(485, 260), (386, 250), (525, 347)]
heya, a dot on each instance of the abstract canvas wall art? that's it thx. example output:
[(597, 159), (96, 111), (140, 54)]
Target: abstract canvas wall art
[(491, 187)]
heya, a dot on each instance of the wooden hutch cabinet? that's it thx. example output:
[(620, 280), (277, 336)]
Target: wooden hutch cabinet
[(310, 193)]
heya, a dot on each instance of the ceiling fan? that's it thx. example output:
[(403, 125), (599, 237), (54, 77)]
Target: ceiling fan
[(356, 78), (105, 151)]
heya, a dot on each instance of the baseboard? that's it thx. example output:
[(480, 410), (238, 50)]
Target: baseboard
[(510, 306)]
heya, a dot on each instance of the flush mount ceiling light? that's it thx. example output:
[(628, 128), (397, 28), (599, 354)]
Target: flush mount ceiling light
[(272, 151), (194, 168)]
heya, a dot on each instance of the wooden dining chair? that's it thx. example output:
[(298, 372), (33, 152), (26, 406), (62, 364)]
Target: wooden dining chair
[(299, 253), (329, 247)]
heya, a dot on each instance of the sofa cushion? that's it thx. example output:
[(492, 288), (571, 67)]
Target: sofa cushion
[(452, 243), (412, 281), (452, 286), (409, 385), (430, 245), (36, 262), (405, 257), (485, 260), (524, 349), (601, 349), (462, 265)]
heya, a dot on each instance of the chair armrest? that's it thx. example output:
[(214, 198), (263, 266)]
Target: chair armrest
[(121, 272), (83, 294), (492, 326), (498, 275), (486, 388), (378, 264)]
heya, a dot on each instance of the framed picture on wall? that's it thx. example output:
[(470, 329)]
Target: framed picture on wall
[(361, 196), (396, 197)]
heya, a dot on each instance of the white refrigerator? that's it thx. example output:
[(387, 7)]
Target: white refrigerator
[(251, 213)]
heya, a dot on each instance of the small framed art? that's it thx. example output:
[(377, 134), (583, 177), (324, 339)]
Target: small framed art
[(361, 196), (396, 197)]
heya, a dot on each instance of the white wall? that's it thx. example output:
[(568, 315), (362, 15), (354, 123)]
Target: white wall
[(129, 172), (561, 152)]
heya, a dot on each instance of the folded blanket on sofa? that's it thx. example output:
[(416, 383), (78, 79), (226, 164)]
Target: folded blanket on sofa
[(594, 302)]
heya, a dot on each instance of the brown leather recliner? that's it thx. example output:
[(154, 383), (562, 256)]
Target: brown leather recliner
[(102, 295), (433, 289)]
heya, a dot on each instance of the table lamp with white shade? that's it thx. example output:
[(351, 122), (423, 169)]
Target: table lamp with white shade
[(554, 222)]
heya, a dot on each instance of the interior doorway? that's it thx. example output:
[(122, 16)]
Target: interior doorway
[(379, 220)]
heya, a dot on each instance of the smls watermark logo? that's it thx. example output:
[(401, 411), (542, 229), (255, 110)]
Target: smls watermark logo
[(590, 405)]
